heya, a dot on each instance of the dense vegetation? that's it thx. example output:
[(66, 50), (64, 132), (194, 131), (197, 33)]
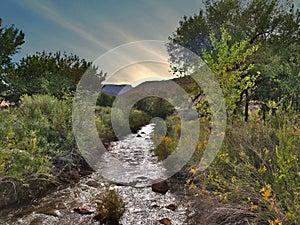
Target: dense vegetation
[(256, 168), (36, 138), (251, 46), (253, 49)]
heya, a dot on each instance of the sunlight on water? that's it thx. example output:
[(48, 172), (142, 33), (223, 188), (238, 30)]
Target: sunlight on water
[(143, 206)]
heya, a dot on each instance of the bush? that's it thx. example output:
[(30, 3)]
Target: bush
[(155, 107), (33, 134), (169, 142), (105, 100), (110, 207), (258, 167), (31, 137), (103, 123), (137, 119)]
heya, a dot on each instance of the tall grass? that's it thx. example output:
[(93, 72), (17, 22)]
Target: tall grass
[(257, 167)]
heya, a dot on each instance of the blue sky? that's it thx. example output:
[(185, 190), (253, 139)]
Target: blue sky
[(90, 28)]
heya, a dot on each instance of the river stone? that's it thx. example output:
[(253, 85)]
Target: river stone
[(53, 212), (93, 183), (155, 206), (85, 210), (160, 186), (171, 207), (165, 221)]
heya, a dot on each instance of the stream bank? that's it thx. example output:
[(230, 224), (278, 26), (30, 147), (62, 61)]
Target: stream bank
[(143, 206)]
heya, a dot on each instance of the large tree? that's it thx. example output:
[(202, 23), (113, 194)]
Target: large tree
[(11, 39), (227, 60), (271, 24), (46, 73)]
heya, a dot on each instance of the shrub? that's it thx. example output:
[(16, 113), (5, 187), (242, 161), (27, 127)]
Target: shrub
[(155, 107), (105, 100), (258, 167), (103, 123), (110, 206), (168, 143), (33, 134), (137, 119)]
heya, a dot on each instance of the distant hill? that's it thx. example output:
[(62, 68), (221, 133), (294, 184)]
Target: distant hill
[(151, 87), (168, 87), (116, 89)]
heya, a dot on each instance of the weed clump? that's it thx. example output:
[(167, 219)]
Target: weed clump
[(110, 207)]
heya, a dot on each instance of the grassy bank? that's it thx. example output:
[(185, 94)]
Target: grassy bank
[(38, 150), (256, 169)]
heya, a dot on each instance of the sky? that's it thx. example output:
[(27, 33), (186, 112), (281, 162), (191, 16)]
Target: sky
[(92, 28)]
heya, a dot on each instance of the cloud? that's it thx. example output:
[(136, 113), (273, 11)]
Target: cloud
[(132, 53), (44, 9), (137, 73)]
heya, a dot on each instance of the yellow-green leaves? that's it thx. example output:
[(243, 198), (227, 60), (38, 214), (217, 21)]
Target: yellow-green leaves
[(229, 62)]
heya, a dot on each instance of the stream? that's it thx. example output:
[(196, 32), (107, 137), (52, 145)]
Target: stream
[(143, 206)]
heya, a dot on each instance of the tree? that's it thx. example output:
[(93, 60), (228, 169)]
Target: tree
[(43, 73), (257, 20), (271, 24), (11, 39), (155, 107), (282, 77), (105, 100), (227, 60)]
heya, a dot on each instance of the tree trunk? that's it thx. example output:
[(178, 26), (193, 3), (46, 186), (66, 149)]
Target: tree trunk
[(246, 105)]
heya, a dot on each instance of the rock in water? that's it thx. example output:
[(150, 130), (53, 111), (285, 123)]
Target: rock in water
[(85, 209), (171, 207), (93, 183), (165, 221), (160, 186), (54, 212)]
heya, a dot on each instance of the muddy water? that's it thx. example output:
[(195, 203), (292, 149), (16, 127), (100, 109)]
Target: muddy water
[(143, 206)]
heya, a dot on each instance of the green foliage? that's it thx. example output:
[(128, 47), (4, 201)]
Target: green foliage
[(155, 107), (228, 62), (281, 76), (103, 123), (137, 119), (105, 100), (42, 73), (10, 40), (166, 145), (34, 133), (269, 21), (110, 206), (274, 25), (258, 167)]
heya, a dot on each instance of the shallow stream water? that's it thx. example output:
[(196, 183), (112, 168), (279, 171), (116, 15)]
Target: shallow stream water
[(143, 206)]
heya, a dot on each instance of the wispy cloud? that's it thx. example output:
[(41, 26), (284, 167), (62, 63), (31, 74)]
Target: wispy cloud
[(96, 28), (44, 9), (140, 72)]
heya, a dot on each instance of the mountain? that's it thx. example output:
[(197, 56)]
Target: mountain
[(116, 89)]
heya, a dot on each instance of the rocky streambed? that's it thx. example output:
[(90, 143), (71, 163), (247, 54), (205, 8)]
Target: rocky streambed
[(143, 205)]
